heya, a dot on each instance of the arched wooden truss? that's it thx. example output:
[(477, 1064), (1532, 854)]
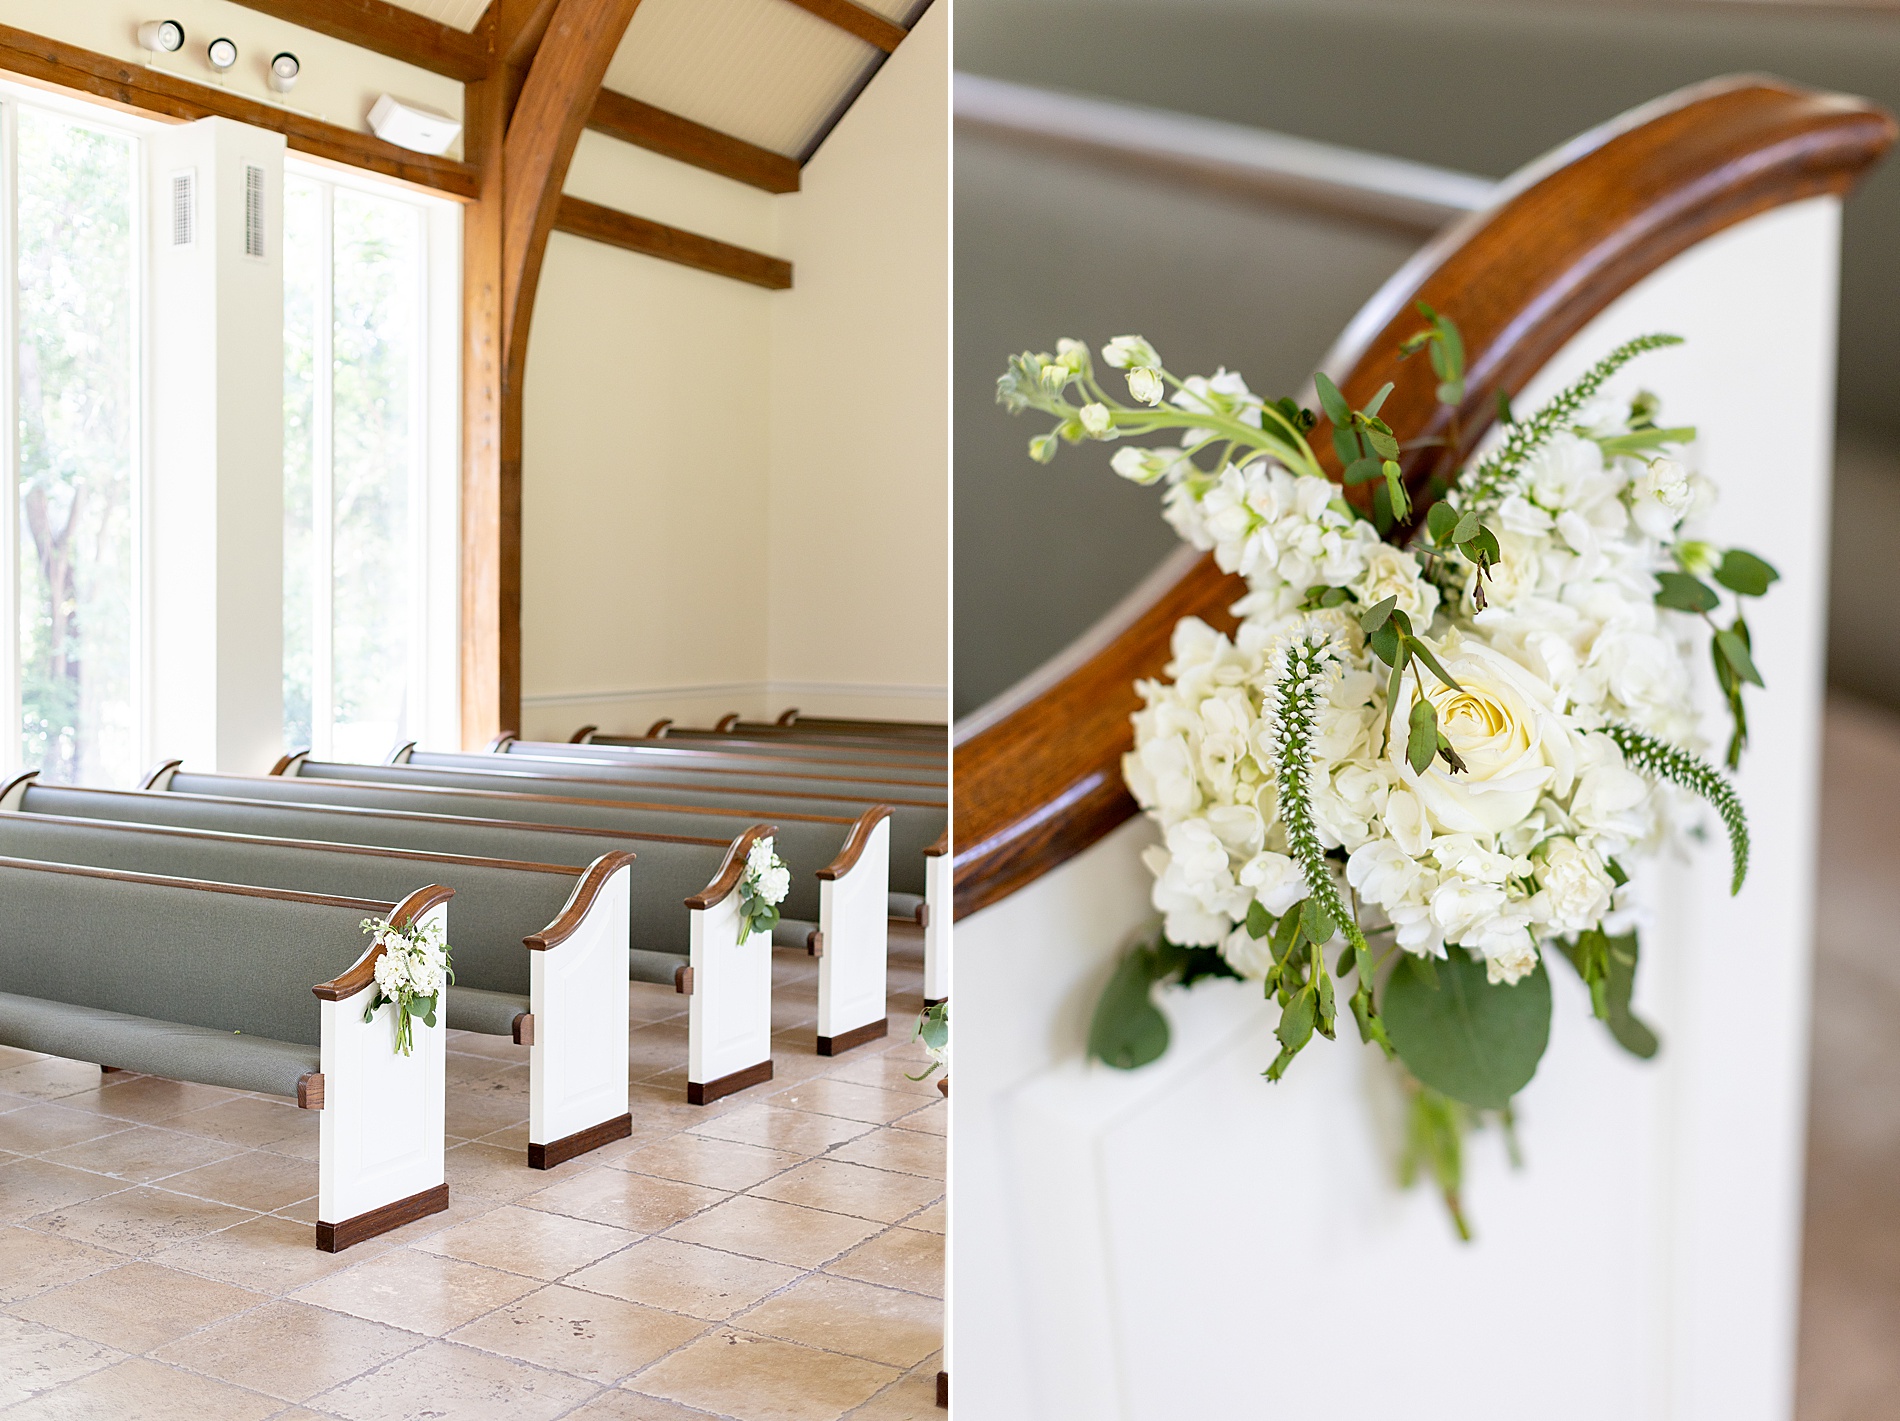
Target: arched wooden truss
[(1038, 775)]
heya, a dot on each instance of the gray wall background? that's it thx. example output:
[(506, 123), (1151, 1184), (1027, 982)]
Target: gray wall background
[(1047, 248)]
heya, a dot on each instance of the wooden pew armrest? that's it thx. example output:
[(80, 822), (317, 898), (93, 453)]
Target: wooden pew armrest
[(854, 846), (580, 902), (731, 869)]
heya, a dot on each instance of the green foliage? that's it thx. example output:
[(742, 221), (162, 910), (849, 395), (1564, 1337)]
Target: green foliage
[(1435, 1130), (1685, 593), (1447, 352), (1745, 574), (1463, 1036), (1487, 484), (933, 1029), (1128, 1030), (1607, 966), (1660, 760), (1300, 980)]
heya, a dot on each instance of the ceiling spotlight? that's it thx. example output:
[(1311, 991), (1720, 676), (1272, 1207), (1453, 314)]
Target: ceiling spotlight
[(162, 36), (221, 54), (283, 71)]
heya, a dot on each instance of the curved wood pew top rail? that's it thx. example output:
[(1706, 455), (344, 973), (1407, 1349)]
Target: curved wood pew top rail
[(211, 983), (576, 1006), (847, 915), (665, 938), (1038, 770), (920, 737)]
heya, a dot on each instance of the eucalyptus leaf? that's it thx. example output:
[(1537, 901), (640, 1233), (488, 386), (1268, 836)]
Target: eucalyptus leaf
[(1735, 651), (1422, 744), (1346, 444), (1440, 520), (1685, 593), (1745, 573), (1375, 616), (1330, 400), (1372, 405), (1128, 1029), (1317, 922), (1362, 471), (1467, 1038), (1259, 921)]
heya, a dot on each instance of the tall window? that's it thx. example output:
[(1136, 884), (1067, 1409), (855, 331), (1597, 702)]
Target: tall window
[(355, 465), (71, 678)]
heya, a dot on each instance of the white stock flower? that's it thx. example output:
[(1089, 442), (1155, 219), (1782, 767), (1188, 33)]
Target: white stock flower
[(1125, 352), (1567, 474), (1148, 466), (1577, 890), (1275, 881), (1222, 393), (1660, 497), (1144, 384), (1248, 955), (1512, 962), (1096, 419)]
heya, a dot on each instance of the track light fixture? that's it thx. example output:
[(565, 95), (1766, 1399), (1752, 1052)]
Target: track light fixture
[(221, 54), (162, 36), (284, 70)]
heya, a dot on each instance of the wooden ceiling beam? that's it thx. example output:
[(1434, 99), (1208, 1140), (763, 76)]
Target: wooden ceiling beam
[(867, 25), (389, 30), (655, 239), (658, 131), (154, 91)]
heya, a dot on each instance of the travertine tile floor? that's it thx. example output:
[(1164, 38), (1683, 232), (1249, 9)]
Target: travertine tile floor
[(777, 1256), (1849, 1367)]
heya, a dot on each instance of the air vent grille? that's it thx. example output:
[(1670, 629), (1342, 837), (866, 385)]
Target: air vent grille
[(184, 207), (253, 210)]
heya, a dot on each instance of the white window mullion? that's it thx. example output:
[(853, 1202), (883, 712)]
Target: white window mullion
[(416, 716), (323, 490)]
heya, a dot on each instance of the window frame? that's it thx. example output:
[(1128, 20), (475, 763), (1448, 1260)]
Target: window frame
[(434, 669)]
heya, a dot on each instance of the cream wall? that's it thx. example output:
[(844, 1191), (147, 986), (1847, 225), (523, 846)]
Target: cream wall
[(713, 520), (860, 401)]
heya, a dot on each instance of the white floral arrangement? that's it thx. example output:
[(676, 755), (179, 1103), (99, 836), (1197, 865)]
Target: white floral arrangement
[(762, 887), (1456, 736), (933, 1033), (410, 974)]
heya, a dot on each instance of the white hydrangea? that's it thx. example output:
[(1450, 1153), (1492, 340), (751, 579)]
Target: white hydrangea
[(766, 871), (1512, 851)]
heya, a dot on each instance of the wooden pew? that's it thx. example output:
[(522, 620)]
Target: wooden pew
[(212, 982), (792, 723), (728, 760), (935, 743), (917, 832), (836, 908), (678, 916), (920, 887), (540, 950), (792, 779), (888, 757)]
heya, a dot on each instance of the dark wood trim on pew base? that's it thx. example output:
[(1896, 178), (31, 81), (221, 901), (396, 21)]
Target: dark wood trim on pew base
[(579, 1143), (930, 1002), (706, 1092), (856, 1036), (334, 1238), (943, 1390)]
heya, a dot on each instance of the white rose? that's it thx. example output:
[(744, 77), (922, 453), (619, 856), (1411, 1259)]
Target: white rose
[(774, 884), (1660, 497), (1393, 572), (1504, 726), (1577, 891)]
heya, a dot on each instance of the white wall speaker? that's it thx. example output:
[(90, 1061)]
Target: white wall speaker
[(412, 126)]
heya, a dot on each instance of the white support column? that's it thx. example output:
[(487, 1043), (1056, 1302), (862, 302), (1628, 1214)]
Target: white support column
[(217, 572)]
